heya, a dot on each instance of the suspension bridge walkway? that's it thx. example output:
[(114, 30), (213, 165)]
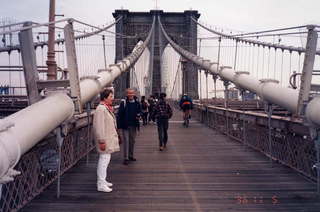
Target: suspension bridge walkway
[(260, 153), (201, 170)]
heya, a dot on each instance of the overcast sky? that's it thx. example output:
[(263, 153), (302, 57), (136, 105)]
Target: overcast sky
[(242, 15), (246, 15)]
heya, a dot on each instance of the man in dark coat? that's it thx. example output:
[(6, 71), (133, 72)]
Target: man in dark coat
[(128, 122), (163, 113)]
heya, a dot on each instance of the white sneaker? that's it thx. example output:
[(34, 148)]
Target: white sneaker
[(104, 182), (104, 188), (109, 184)]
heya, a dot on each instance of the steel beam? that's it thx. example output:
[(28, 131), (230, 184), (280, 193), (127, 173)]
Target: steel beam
[(29, 64)]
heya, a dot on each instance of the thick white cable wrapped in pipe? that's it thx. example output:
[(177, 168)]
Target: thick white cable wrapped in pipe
[(268, 90), (19, 132), (28, 126)]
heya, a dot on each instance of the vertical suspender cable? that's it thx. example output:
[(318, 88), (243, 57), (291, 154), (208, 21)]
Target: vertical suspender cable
[(281, 66), (235, 56), (290, 64), (252, 59), (275, 63), (200, 70), (10, 80), (258, 57), (249, 58), (219, 48), (299, 68), (20, 72), (263, 58), (269, 56), (245, 68)]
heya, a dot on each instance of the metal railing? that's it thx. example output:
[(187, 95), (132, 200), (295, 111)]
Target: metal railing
[(39, 167)]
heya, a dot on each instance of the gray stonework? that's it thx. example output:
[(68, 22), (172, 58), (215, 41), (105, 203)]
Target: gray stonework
[(179, 27)]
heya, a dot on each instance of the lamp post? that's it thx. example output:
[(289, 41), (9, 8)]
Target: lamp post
[(51, 63)]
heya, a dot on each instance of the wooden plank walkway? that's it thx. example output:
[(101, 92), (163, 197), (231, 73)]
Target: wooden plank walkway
[(201, 170)]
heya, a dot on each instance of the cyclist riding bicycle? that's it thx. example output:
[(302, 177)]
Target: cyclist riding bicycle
[(186, 106)]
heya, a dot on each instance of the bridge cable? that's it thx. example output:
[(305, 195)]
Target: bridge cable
[(290, 65), (20, 72), (281, 66), (199, 53), (253, 59), (275, 63), (258, 61), (10, 79), (17, 47), (289, 48), (176, 75), (104, 52), (219, 52), (235, 56), (269, 56), (299, 68), (249, 58)]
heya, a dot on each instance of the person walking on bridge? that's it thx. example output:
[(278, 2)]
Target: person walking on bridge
[(128, 121), (144, 110), (186, 106), (163, 113), (106, 138)]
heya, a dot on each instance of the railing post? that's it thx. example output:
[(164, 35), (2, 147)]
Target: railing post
[(72, 65), (215, 118), (244, 118), (88, 110), (59, 139), (215, 77), (207, 97), (226, 84), (269, 110), (29, 64), (200, 85)]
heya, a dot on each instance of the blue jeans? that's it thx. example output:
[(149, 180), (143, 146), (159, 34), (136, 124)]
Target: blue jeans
[(163, 125)]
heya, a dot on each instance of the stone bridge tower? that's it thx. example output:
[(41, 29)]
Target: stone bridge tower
[(136, 25)]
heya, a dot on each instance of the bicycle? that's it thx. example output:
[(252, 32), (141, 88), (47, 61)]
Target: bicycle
[(186, 118)]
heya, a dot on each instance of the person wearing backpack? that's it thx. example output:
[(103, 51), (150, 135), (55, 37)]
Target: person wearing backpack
[(163, 113), (144, 110)]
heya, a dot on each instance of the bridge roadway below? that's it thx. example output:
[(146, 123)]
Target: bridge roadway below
[(201, 170)]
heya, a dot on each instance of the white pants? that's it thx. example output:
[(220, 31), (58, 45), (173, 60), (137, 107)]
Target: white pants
[(103, 162)]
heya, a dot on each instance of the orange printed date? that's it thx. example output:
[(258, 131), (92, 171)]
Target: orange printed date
[(244, 199)]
